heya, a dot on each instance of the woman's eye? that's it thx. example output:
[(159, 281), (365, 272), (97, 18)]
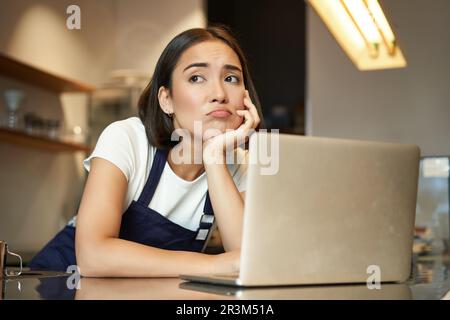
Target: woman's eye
[(196, 79), (236, 79)]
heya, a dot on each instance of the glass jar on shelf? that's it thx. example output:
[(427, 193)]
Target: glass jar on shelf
[(13, 99)]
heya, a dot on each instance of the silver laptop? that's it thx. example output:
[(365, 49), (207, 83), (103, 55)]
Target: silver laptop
[(330, 211)]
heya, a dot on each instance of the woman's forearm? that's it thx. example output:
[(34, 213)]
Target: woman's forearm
[(227, 203), (114, 257)]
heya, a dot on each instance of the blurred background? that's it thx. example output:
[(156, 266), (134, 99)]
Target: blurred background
[(59, 87)]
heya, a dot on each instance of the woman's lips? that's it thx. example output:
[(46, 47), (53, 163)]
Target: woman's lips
[(221, 113)]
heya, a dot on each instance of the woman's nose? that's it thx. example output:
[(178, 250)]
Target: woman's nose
[(218, 93)]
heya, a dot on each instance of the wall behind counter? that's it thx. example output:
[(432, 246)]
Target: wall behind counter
[(409, 105)]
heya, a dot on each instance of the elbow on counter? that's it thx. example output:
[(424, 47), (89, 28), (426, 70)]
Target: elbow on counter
[(89, 261)]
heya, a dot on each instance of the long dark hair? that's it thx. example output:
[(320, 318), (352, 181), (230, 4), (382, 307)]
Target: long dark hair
[(158, 125)]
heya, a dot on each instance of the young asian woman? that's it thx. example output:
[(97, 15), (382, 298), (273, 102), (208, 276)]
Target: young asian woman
[(145, 213)]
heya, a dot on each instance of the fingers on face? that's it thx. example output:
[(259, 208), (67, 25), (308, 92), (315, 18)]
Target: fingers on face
[(248, 118), (251, 107)]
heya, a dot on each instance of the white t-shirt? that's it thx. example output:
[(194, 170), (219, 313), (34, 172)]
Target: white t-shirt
[(125, 144)]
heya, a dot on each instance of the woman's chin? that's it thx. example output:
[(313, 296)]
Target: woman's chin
[(231, 124), (219, 126)]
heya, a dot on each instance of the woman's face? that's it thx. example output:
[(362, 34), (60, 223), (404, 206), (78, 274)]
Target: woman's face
[(208, 77)]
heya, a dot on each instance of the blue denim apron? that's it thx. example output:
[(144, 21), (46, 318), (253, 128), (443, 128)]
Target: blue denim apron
[(139, 224)]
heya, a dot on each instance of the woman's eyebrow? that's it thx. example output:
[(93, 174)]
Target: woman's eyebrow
[(206, 65)]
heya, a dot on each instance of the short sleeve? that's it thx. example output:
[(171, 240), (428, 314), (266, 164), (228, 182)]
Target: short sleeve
[(115, 144)]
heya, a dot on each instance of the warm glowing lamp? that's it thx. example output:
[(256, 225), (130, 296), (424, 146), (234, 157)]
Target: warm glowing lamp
[(363, 31)]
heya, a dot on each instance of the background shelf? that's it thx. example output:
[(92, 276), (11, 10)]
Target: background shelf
[(40, 142), (18, 70)]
